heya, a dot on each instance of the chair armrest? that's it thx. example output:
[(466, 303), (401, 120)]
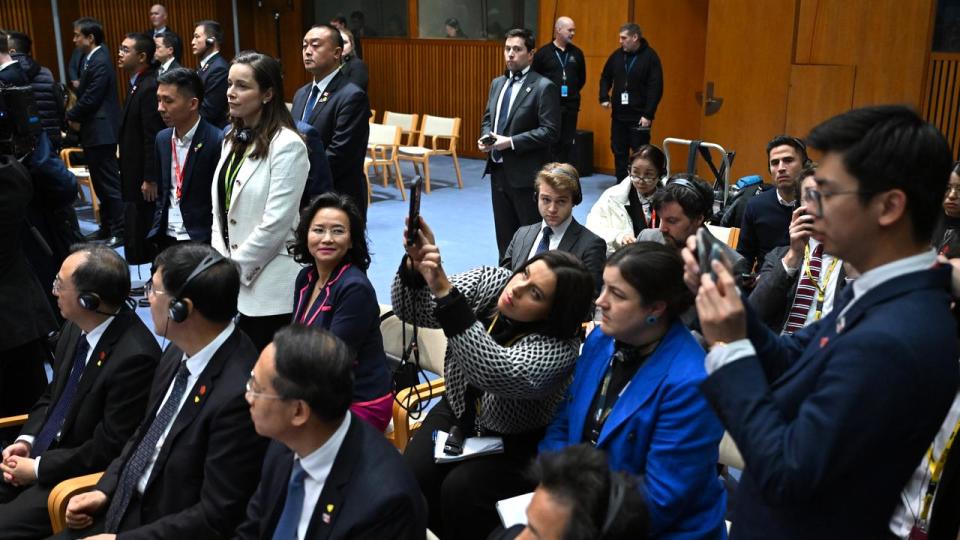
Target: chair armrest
[(410, 398), (61, 495), (13, 421)]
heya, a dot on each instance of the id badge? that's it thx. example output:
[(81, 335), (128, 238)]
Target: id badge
[(625, 98), (563, 91)]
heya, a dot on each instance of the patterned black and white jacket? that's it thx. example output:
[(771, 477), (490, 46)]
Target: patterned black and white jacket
[(522, 383)]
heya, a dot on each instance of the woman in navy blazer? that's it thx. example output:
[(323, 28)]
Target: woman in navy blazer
[(333, 293), (635, 395)]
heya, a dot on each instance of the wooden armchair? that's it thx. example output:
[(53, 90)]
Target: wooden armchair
[(435, 128), (405, 424), (83, 178), (13, 421), (382, 148), (62, 493), (407, 122)]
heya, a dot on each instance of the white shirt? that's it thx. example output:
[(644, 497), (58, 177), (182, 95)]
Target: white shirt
[(829, 285), (206, 59), (317, 465), (782, 201), (555, 239), (195, 364), (175, 228), (518, 83), (160, 30), (166, 65), (92, 339), (321, 85), (742, 348)]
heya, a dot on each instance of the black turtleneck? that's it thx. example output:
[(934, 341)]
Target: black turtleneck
[(627, 360)]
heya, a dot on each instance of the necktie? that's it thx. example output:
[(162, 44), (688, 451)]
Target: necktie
[(806, 293), (289, 520), (59, 413), (311, 103), (134, 468), (504, 113), (544, 244)]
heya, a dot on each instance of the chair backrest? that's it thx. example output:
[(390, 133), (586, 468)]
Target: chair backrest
[(729, 235), (384, 135), (440, 126), (407, 122), (432, 342)]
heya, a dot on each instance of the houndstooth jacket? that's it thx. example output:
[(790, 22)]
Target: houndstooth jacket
[(522, 384)]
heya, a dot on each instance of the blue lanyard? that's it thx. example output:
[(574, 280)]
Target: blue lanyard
[(563, 63)]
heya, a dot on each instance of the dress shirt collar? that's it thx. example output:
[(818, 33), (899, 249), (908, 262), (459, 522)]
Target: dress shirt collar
[(92, 51), (188, 138), (160, 30), (318, 463), (206, 59), (94, 336), (523, 73), (324, 82), (781, 201), (883, 273), (559, 229), (166, 65), (5, 65), (198, 362)]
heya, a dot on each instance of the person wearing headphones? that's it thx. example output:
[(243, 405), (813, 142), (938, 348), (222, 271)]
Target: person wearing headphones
[(635, 395), (256, 191), (207, 37), (192, 465), (557, 191), (104, 363)]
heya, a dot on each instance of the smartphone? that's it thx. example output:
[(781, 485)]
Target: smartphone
[(413, 223), (488, 139), (710, 249)]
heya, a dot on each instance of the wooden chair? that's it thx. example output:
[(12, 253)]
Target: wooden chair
[(407, 122), (730, 235), (61, 494), (436, 128), (13, 421), (373, 116), (83, 179), (404, 426), (382, 147)]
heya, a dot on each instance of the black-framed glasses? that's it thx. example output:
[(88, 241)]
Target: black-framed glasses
[(816, 197), (644, 177)]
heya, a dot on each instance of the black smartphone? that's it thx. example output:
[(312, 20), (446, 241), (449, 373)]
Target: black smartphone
[(710, 249), (413, 223), (488, 139)]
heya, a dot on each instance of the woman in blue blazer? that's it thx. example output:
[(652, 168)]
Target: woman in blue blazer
[(635, 395), (333, 293)]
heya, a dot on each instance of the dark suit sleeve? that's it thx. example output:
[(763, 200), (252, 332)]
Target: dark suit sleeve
[(94, 82), (352, 317), (548, 121), (606, 80), (771, 295), (214, 105), (486, 123), (594, 257), (654, 88), (352, 118), (252, 523), (395, 518), (747, 244), (511, 254), (162, 185), (581, 70), (152, 124), (360, 75)]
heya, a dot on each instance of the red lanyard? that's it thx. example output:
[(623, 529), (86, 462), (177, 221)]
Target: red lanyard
[(177, 171)]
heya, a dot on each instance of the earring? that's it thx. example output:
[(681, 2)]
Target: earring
[(651, 320)]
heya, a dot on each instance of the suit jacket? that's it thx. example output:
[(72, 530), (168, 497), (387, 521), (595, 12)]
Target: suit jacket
[(661, 429), (372, 492), (533, 122), (261, 221), (14, 75), (832, 421), (97, 107), (173, 65), (772, 296), (214, 76), (342, 119), (356, 71), (577, 240), (110, 401), (209, 464), (196, 206), (138, 132)]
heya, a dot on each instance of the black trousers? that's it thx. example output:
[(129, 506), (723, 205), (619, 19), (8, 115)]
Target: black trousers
[(138, 219), (23, 512), (624, 140), (512, 207), (462, 497), (105, 174), (563, 149), (260, 330)]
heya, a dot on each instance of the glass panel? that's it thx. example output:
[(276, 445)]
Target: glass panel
[(475, 19), (366, 18)]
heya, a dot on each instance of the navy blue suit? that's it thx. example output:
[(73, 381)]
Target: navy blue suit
[(198, 170), (832, 421), (213, 108)]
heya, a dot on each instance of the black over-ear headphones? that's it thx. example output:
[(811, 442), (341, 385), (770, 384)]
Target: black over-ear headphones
[(179, 310), (210, 41), (89, 301), (577, 193)]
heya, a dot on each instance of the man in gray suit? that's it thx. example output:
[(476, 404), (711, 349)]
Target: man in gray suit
[(557, 191), (520, 123)]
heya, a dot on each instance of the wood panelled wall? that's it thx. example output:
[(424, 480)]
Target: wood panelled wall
[(434, 76), (941, 104), (34, 18)]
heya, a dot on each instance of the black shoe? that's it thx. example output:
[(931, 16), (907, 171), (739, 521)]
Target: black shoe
[(114, 241), (99, 234)]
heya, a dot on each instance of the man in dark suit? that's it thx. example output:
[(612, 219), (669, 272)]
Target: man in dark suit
[(338, 109), (193, 463), (11, 72), (105, 359), (213, 71), (188, 152), (158, 20), (138, 159), (168, 53), (96, 115), (563, 63), (557, 192), (832, 420), (328, 474), (521, 121)]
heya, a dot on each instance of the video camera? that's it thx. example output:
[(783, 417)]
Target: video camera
[(19, 121)]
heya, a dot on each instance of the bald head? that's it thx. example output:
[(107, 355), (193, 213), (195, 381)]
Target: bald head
[(158, 16), (563, 31)]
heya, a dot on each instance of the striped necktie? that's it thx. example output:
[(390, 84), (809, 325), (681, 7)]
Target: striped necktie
[(806, 293)]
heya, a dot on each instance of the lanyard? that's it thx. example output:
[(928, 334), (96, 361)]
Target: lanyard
[(177, 171), (231, 176), (936, 470), (627, 68), (821, 286), (563, 63), (604, 409)]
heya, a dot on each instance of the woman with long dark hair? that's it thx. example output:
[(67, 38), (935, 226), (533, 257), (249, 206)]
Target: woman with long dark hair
[(946, 237)]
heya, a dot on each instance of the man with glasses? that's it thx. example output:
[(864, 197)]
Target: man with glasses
[(193, 463), (327, 474), (104, 362), (832, 420)]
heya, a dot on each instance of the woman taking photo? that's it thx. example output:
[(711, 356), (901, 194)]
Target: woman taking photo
[(625, 209), (635, 394), (510, 352), (333, 293), (256, 193)]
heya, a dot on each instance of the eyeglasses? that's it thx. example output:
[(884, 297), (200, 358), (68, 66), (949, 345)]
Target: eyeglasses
[(816, 197), (149, 290), (251, 393), (644, 177), (124, 50), (58, 285), (952, 189)]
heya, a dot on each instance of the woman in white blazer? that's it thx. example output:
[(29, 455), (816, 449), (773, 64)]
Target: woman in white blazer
[(625, 209), (256, 191)]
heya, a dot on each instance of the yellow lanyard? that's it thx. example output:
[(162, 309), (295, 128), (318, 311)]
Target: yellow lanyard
[(231, 175), (936, 470), (821, 286)]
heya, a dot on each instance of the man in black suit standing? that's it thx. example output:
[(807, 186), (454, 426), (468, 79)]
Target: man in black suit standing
[(563, 63), (187, 155), (327, 474), (522, 120), (557, 192), (213, 70), (193, 463), (169, 50), (105, 359), (96, 115), (138, 160), (338, 109)]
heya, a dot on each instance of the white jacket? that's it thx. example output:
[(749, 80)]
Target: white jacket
[(608, 218)]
